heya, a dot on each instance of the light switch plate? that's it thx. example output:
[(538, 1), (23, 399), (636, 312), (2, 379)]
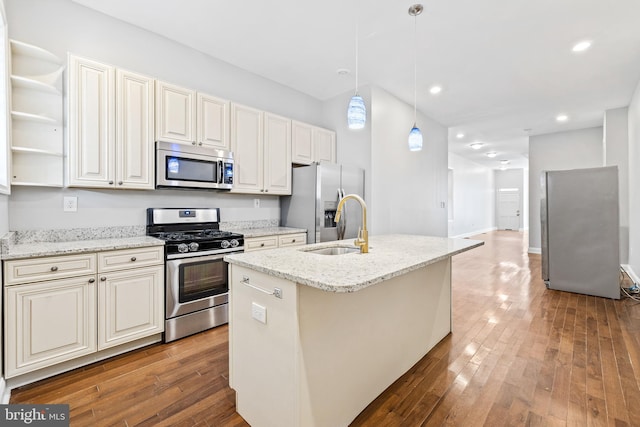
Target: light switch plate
[(256, 203), (259, 312)]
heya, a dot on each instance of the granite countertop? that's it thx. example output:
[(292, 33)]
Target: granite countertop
[(268, 231), (38, 243), (389, 256)]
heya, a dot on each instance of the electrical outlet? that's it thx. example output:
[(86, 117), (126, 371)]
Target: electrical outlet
[(70, 204), (259, 312), (256, 203)]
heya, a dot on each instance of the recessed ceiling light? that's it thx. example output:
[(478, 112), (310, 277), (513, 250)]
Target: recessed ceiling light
[(343, 71), (492, 154), (562, 118), (581, 46), (476, 145), (504, 162), (460, 135), (434, 90)]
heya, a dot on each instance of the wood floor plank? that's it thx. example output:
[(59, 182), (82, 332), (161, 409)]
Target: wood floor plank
[(519, 355)]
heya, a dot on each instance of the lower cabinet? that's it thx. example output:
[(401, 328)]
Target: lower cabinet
[(52, 321), (48, 323), (130, 305), (274, 241)]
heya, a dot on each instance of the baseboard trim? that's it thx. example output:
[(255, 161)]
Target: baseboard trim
[(5, 392), (632, 274), (532, 250)]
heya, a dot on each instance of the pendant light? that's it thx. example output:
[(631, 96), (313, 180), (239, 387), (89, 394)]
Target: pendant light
[(415, 136), (356, 112)]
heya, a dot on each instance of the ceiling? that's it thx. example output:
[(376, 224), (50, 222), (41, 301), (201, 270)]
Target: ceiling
[(506, 67)]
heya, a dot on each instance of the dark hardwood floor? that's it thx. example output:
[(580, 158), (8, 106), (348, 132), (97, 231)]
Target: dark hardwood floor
[(519, 355)]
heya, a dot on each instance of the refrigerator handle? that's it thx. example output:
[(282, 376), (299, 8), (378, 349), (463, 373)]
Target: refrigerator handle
[(341, 226)]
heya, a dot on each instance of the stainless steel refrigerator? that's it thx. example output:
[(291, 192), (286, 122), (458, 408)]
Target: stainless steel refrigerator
[(580, 231), (315, 192)]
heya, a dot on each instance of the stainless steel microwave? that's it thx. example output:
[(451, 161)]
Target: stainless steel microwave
[(185, 166)]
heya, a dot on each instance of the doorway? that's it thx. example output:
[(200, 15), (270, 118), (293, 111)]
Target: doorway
[(509, 209)]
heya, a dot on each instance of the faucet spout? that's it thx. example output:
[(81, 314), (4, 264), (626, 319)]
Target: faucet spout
[(363, 235)]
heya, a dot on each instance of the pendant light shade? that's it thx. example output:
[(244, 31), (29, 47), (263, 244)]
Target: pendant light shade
[(356, 113), (415, 136), (415, 139)]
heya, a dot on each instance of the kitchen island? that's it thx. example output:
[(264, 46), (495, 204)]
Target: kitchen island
[(314, 338)]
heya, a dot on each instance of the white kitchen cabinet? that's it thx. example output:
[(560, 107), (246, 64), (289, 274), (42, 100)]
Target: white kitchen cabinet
[(111, 121), (91, 123), (37, 116), (261, 144), (247, 144), (175, 113), (274, 241), (134, 131), (324, 145), (213, 122), (312, 144), (50, 311), (64, 307), (130, 305)]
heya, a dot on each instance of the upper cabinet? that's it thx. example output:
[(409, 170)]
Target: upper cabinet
[(312, 144), (37, 116), (187, 117), (111, 118), (261, 144)]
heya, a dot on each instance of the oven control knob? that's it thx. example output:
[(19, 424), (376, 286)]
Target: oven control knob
[(182, 248), (234, 243), (225, 244), (193, 246)]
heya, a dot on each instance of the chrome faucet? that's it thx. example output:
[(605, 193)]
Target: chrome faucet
[(363, 235)]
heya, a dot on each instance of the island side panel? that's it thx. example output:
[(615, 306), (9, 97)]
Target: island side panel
[(262, 362), (354, 345)]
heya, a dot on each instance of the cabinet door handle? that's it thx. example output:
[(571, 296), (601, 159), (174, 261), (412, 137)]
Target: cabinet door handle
[(261, 244), (133, 259), (119, 182), (110, 182), (54, 268), (293, 241), (103, 279), (92, 280)]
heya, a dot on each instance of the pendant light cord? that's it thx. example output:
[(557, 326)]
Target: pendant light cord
[(357, 23), (415, 66)]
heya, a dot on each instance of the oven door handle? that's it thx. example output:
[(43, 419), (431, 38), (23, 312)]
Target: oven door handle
[(192, 259)]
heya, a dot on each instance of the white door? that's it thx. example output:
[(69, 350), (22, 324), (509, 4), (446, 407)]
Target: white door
[(324, 144), (247, 146), (508, 209), (175, 114), (277, 154), (213, 122)]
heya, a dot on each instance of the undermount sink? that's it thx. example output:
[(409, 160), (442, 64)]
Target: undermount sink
[(335, 250)]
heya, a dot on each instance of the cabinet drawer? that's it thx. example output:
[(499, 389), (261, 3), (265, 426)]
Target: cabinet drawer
[(48, 268), (130, 258), (292, 240), (259, 243)]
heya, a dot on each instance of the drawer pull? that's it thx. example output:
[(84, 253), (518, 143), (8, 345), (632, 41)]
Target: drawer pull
[(54, 268), (261, 244), (103, 279), (92, 280), (293, 241), (133, 259)]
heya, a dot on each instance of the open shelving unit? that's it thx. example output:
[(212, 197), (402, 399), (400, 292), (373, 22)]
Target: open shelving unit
[(37, 116)]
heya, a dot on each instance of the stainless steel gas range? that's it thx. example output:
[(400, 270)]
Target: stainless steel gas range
[(196, 276)]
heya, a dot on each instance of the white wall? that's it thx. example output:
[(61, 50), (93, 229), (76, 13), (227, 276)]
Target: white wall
[(513, 178), (558, 151), (409, 188), (616, 153), (473, 197), (634, 183), (62, 26)]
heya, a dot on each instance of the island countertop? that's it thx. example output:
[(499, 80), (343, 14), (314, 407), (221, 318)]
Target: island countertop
[(389, 256)]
